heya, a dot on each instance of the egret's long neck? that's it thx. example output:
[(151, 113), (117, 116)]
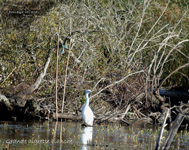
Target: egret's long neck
[(87, 99)]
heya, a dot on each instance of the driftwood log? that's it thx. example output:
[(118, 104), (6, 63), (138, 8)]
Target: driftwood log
[(68, 117)]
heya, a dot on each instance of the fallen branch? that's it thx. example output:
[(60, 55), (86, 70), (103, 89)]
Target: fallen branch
[(65, 116)]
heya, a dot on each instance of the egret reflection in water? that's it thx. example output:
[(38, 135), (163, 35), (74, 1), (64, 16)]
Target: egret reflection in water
[(86, 137)]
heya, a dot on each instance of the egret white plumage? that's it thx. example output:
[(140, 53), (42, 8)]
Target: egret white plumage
[(87, 113)]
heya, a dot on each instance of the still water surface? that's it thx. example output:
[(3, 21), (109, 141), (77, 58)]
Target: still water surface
[(71, 135)]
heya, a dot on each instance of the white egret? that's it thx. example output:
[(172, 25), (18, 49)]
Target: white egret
[(87, 113)]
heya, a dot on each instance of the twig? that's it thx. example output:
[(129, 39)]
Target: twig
[(12, 71), (137, 112), (9, 75), (167, 56), (139, 27), (183, 66), (126, 111), (139, 46), (98, 82)]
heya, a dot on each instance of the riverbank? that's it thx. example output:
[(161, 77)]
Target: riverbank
[(18, 109)]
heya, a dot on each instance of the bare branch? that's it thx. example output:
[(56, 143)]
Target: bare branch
[(117, 82), (181, 67)]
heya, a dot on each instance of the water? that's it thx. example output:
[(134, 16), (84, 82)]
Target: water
[(71, 135)]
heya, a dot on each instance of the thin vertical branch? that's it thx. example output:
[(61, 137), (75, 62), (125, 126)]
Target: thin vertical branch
[(139, 27), (56, 82), (66, 72)]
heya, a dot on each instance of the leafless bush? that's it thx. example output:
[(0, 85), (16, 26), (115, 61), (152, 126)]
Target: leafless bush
[(114, 46)]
